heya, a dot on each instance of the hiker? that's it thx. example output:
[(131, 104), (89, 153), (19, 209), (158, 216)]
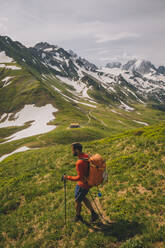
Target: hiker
[(82, 188)]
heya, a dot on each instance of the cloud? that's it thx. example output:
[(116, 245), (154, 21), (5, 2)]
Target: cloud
[(94, 29), (3, 25), (101, 38), (120, 58)]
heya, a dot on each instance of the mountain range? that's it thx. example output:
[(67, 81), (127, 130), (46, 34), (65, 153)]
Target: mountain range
[(48, 74)]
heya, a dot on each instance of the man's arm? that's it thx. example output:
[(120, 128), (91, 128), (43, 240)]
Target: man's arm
[(79, 176)]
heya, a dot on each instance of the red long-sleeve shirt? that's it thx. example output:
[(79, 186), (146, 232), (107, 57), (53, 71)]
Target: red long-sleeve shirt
[(82, 171)]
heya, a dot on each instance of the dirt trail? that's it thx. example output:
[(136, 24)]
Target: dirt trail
[(91, 116)]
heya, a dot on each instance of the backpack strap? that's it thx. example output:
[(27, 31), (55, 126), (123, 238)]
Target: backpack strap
[(88, 163)]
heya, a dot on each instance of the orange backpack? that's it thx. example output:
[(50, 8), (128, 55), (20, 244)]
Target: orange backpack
[(97, 170)]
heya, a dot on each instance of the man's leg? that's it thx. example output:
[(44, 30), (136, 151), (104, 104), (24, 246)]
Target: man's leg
[(88, 204), (80, 195), (78, 216), (94, 215), (78, 206)]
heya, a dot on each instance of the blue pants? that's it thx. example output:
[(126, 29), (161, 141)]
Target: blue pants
[(80, 193)]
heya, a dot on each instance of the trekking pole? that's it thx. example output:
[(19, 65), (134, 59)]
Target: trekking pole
[(98, 210), (63, 179)]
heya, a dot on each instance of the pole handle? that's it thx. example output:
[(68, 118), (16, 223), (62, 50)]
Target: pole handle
[(62, 178)]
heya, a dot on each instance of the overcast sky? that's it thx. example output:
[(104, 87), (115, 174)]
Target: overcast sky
[(99, 30)]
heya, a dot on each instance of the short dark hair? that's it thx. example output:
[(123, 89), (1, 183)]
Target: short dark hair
[(77, 146)]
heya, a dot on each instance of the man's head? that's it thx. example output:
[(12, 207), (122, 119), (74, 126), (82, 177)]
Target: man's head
[(76, 148)]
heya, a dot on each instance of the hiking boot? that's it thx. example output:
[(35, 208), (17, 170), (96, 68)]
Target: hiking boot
[(78, 218), (94, 216)]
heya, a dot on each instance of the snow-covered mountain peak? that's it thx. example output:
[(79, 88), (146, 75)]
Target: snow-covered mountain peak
[(64, 62), (136, 81), (139, 65)]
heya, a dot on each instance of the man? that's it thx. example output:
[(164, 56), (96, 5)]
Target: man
[(82, 187)]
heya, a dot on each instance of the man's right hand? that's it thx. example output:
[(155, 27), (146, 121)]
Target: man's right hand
[(64, 177)]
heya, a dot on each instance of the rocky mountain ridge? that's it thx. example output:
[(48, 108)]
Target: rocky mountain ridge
[(115, 84), (139, 65)]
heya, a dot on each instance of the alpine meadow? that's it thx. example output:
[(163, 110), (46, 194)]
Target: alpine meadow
[(51, 97)]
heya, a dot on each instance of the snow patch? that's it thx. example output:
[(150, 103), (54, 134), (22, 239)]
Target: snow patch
[(12, 67), (4, 58), (54, 67), (138, 63), (79, 86), (143, 123), (153, 77), (67, 62), (120, 121), (87, 104), (114, 71), (7, 81), (67, 98), (43, 55), (40, 117), (48, 49), (80, 71), (114, 111), (3, 116), (106, 81), (2, 65), (21, 149), (135, 95), (126, 107), (56, 88)]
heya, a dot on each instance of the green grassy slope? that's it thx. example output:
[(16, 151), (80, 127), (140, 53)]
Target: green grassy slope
[(24, 89), (132, 202)]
